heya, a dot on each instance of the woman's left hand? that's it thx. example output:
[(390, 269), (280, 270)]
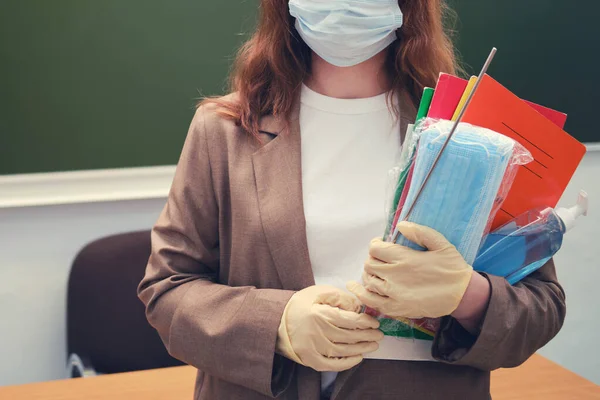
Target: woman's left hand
[(402, 282)]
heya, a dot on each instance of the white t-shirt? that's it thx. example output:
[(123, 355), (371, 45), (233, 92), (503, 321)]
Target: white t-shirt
[(348, 147)]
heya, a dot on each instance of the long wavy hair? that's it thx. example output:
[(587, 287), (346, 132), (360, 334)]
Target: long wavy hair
[(271, 66)]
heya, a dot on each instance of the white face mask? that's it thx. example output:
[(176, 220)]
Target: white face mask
[(347, 32)]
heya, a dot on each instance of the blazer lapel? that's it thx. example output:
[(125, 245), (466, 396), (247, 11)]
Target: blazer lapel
[(278, 174)]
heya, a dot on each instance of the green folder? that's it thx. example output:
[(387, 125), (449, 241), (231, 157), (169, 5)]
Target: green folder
[(425, 103)]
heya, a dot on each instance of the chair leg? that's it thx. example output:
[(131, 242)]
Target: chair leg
[(80, 367)]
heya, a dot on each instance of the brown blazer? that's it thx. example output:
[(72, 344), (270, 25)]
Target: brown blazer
[(230, 249)]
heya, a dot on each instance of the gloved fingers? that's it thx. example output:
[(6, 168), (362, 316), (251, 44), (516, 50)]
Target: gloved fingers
[(337, 364), (338, 298), (368, 298), (385, 251), (423, 236), (335, 350), (374, 263), (346, 319), (352, 336), (375, 284), (390, 271), (383, 269)]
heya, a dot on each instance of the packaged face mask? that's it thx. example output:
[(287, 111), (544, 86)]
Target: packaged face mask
[(347, 32), (461, 194)]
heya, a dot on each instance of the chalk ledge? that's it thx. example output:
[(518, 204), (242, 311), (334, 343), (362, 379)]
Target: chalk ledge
[(56, 188)]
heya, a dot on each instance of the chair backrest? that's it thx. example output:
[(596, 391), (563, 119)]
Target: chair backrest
[(106, 322)]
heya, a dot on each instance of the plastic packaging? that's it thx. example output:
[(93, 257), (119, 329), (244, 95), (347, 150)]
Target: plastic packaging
[(525, 244), (402, 174), (461, 199), (398, 176), (466, 188)]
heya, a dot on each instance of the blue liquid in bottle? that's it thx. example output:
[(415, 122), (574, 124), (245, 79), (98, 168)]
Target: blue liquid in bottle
[(522, 246)]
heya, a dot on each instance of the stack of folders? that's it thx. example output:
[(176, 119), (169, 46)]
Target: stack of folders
[(539, 129), (553, 154)]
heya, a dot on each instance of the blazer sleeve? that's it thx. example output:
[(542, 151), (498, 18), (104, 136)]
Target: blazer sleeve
[(519, 320), (227, 332)]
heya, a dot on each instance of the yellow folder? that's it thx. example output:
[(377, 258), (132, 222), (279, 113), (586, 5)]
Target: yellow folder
[(464, 97)]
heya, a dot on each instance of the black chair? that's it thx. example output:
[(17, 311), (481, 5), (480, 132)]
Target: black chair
[(106, 325)]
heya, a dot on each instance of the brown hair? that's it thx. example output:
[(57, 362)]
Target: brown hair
[(271, 66)]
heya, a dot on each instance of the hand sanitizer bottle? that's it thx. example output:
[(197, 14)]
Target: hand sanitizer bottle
[(526, 243)]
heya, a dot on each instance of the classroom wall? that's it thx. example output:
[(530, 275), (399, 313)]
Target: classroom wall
[(38, 244), (576, 346)]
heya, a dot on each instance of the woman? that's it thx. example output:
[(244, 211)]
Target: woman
[(279, 190)]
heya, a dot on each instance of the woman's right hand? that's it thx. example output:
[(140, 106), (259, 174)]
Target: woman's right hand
[(322, 328)]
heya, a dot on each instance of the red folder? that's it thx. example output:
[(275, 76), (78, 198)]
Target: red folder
[(560, 119), (450, 89), (556, 153), (446, 97)]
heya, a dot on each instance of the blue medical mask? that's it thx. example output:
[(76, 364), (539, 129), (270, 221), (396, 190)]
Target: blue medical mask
[(460, 194), (347, 32)]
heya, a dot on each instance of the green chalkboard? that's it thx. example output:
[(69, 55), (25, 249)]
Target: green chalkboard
[(109, 83), (548, 52), (91, 84)]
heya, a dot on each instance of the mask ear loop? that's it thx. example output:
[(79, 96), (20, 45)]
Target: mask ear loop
[(452, 131)]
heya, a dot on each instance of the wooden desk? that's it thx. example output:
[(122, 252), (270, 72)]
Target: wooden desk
[(541, 379), (538, 379)]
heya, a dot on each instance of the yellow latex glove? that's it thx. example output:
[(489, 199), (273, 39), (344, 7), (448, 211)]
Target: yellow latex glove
[(402, 282), (322, 328)]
